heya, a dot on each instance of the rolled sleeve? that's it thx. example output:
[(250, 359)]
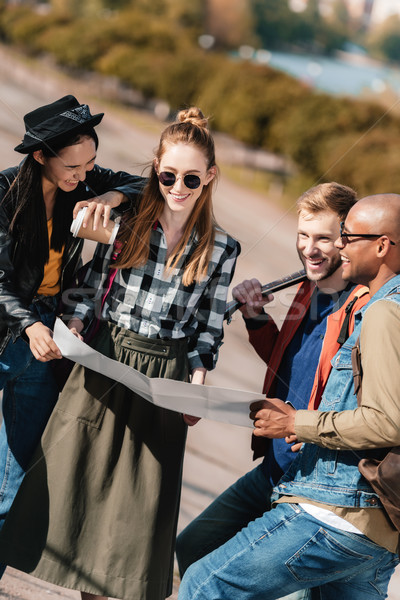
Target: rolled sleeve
[(375, 424), (204, 347), (91, 293)]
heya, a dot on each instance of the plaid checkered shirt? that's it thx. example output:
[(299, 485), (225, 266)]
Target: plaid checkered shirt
[(153, 302)]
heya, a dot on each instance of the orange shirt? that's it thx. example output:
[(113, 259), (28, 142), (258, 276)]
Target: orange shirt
[(50, 285)]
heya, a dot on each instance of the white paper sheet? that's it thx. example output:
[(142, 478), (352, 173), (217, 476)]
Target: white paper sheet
[(215, 403)]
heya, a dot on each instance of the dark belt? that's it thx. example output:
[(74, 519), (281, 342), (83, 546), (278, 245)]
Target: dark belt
[(48, 301)]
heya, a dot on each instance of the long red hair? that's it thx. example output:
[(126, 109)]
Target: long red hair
[(190, 128)]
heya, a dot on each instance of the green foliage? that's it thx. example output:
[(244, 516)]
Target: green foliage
[(135, 28), (384, 42), (391, 47), (21, 26), (182, 79), (190, 15), (272, 20), (324, 137), (308, 131), (368, 163), (117, 61), (77, 45), (278, 27)]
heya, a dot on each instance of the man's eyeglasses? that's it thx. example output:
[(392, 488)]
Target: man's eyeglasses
[(168, 179), (345, 236)]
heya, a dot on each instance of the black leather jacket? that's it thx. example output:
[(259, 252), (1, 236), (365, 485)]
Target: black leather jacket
[(19, 281)]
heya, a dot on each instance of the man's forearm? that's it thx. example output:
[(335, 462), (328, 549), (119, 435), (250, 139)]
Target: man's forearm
[(365, 427)]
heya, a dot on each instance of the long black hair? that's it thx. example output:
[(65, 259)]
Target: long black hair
[(29, 222)]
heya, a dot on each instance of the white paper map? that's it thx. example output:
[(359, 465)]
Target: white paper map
[(215, 403)]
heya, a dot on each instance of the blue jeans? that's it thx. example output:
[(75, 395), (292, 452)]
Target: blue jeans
[(287, 550), (246, 500), (29, 396)]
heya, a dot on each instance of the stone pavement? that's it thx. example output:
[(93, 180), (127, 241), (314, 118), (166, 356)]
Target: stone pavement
[(19, 586)]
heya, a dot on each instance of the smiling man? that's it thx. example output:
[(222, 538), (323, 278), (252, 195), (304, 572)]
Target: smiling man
[(298, 358), (328, 529)]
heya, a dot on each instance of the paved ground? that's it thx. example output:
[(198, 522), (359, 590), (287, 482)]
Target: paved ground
[(216, 454)]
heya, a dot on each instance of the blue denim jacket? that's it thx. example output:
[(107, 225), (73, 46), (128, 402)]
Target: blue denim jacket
[(332, 476)]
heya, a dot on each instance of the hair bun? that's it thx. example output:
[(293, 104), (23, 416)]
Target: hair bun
[(194, 116)]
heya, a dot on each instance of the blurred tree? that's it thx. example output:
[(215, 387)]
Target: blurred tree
[(92, 8), (230, 22), (279, 27), (89, 8), (367, 163), (24, 27), (319, 118), (116, 4), (67, 7), (153, 48), (312, 12), (272, 20), (340, 13), (135, 27), (156, 8), (188, 14), (391, 46), (384, 41)]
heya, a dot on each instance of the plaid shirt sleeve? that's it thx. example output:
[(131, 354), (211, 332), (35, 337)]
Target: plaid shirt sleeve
[(91, 292), (205, 343)]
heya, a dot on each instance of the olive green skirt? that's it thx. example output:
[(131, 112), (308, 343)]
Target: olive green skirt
[(97, 510)]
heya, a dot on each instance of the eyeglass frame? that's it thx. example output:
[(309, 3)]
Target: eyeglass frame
[(361, 235)]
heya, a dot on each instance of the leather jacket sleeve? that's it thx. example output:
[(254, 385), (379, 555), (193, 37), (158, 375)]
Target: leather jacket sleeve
[(18, 285), (100, 180), (14, 313)]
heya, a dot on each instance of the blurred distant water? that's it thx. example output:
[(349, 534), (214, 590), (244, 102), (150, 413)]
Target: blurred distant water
[(338, 76), (352, 75)]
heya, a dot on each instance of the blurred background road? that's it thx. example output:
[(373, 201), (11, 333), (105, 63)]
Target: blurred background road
[(217, 454)]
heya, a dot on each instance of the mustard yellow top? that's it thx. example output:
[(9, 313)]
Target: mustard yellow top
[(50, 285)]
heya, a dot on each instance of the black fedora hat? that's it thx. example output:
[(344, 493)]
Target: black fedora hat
[(49, 125)]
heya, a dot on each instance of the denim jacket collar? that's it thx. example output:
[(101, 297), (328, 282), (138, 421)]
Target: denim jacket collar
[(390, 287)]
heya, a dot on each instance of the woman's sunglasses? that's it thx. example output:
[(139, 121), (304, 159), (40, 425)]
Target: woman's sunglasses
[(168, 179)]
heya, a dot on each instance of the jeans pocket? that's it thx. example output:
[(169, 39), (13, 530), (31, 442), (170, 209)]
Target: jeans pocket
[(323, 549), (383, 574)]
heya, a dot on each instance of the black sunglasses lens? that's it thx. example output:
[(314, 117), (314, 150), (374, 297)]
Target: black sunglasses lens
[(166, 178), (192, 181)]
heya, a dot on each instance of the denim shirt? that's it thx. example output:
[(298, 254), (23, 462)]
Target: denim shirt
[(332, 476)]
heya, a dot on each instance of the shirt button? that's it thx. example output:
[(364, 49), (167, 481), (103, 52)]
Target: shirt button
[(372, 501)]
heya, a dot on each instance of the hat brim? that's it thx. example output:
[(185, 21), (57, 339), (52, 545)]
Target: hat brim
[(31, 144)]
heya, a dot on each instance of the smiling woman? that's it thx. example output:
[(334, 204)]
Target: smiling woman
[(39, 258), (161, 298), (69, 166)]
